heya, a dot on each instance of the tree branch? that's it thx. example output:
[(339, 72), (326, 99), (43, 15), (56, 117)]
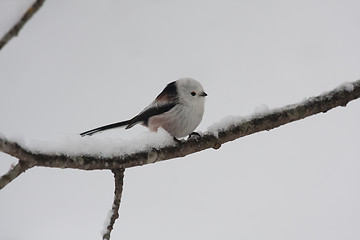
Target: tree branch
[(14, 172), (14, 31), (275, 118), (114, 213), (212, 139)]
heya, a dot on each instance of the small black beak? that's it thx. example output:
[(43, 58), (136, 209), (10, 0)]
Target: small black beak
[(203, 94)]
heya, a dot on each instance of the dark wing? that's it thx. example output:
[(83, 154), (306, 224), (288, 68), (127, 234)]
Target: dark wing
[(169, 94), (165, 101), (148, 112)]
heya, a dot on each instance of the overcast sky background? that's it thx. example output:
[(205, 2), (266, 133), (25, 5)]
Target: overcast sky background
[(82, 64)]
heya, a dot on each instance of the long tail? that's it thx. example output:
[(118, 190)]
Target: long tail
[(106, 127)]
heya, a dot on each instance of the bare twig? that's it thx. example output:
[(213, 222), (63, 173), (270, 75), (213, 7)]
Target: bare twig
[(14, 31), (14, 172), (114, 213)]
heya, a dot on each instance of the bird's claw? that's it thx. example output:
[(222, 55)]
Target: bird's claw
[(177, 140), (194, 135)]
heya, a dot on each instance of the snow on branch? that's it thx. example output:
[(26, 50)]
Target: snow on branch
[(14, 31), (217, 135)]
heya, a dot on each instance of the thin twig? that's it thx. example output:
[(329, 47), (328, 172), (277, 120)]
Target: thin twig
[(114, 213), (14, 31), (14, 172)]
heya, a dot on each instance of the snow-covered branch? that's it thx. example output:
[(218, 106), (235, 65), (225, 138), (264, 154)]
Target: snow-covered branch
[(14, 31), (228, 130), (217, 135)]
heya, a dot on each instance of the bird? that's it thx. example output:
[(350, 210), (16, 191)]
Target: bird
[(178, 109)]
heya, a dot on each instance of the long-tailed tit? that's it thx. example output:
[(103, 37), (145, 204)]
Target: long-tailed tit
[(178, 109)]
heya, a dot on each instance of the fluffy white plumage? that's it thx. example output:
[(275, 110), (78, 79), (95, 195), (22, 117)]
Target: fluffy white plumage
[(178, 109), (186, 115)]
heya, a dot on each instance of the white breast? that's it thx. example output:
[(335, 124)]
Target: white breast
[(180, 121)]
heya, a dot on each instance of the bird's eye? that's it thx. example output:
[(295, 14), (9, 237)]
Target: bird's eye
[(193, 93)]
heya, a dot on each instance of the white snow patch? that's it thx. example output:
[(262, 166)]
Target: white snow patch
[(107, 221), (261, 110), (97, 145), (347, 86), (230, 121), (225, 123)]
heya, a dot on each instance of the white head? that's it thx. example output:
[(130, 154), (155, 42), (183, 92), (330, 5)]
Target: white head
[(190, 91), (186, 99)]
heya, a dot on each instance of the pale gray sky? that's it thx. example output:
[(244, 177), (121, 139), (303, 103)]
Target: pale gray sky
[(81, 64)]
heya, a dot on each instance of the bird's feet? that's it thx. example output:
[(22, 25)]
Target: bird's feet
[(177, 140), (194, 135)]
